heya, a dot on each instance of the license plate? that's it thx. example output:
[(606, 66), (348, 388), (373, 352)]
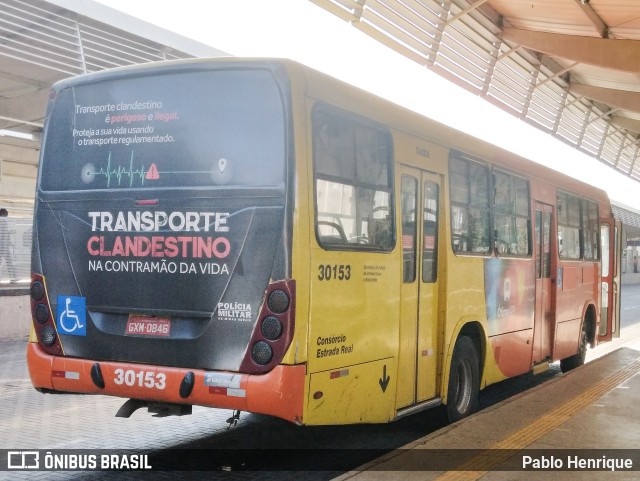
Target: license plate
[(148, 326)]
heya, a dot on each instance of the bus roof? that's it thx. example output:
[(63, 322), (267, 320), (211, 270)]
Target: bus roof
[(322, 86)]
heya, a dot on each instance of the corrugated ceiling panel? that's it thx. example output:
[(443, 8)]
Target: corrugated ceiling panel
[(345, 9), (451, 60), (42, 34), (513, 80), (38, 36), (468, 52), (543, 110), (547, 100), (627, 156), (104, 46), (423, 47), (594, 135), (610, 148)]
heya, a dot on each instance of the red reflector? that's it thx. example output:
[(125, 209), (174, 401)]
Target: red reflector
[(66, 374), (147, 202), (218, 390), (337, 374)]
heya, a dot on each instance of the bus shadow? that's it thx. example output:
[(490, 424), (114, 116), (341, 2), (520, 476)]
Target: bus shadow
[(265, 448)]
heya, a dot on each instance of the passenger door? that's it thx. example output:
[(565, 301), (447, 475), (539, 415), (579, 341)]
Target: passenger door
[(544, 311), (610, 252), (420, 206)]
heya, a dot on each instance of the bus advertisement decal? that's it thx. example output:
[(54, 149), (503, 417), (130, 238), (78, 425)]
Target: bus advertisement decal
[(510, 295), (72, 315)]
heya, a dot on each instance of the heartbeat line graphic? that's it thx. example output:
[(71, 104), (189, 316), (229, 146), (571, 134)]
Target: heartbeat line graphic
[(120, 171)]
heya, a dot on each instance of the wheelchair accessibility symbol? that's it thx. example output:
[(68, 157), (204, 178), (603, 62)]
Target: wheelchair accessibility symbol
[(72, 317)]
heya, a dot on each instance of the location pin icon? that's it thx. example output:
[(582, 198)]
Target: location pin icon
[(222, 164)]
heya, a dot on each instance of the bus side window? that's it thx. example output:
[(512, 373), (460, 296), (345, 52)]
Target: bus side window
[(512, 214), (568, 209), (469, 190), (353, 182)]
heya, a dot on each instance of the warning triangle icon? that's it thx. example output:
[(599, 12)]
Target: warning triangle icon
[(152, 173)]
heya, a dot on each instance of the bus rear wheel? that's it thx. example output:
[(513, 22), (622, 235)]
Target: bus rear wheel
[(577, 360), (464, 380)]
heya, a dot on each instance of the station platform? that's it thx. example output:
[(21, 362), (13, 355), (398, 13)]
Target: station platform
[(575, 427)]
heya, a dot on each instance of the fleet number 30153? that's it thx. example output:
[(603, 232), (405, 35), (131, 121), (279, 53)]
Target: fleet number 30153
[(148, 379)]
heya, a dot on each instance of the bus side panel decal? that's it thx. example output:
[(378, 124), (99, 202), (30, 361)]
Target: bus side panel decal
[(510, 300)]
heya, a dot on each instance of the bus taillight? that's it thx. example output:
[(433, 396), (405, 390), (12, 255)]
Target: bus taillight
[(271, 328), (278, 301), (43, 322), (274, 329)]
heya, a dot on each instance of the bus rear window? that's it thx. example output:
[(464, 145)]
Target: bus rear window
[(188, 129)]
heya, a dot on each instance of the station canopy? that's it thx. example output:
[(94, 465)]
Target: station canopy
[(44, 41), (568, 67)]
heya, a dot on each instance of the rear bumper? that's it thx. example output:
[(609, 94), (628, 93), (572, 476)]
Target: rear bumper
[(278, 393)]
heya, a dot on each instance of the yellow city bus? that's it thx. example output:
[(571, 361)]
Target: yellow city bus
[(254, 235)]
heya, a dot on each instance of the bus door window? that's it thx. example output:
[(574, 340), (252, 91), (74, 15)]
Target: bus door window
[(543, 240), (544, 318), (409, 227), (430, 234), (546, 261), (605, 274), (538, 244)]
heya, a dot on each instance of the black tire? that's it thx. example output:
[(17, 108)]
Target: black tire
[(464, 380), (577, 360)]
